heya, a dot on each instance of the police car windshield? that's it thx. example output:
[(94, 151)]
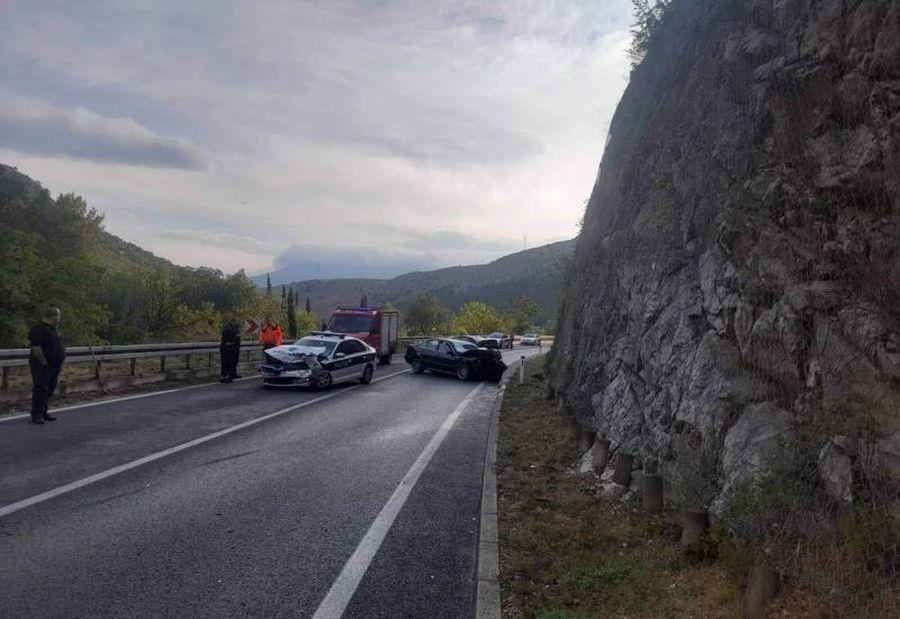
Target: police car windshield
[(495, 335), (315, 346), (352, 323), (529, 334)]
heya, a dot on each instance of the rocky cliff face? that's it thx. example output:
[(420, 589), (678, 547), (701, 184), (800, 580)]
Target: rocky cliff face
[(737, 279)]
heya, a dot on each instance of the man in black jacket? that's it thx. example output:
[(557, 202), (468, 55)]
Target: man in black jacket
[(230, 350), (45, 361)]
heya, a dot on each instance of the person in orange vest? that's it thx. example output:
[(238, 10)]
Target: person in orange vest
[(270, 335)]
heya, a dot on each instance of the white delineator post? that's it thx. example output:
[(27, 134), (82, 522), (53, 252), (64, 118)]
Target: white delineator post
[(522, 371)]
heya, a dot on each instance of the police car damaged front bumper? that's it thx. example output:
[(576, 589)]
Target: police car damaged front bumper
[(281, 368)]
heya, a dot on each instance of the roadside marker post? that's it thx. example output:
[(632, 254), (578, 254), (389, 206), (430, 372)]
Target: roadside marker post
[(522, 371)]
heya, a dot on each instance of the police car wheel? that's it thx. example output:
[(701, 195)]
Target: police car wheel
[(463, 371), (323, 380), (367, 375)]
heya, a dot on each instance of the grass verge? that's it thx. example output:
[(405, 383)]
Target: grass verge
[(567, 551)]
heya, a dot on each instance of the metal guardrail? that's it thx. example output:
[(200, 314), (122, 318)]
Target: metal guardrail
[(11, 357), (18, 357)]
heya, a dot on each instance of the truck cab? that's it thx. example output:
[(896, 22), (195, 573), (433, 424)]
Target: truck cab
[(376, 327)]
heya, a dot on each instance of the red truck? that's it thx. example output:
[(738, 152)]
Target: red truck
[(376, 327)]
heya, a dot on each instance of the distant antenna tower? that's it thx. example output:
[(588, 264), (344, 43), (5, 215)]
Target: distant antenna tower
[(525, 241)]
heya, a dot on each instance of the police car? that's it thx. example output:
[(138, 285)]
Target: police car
[(319, 360)]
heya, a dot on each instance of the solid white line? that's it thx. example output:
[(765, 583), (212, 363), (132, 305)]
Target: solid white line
[(344, 587), (55, 492)]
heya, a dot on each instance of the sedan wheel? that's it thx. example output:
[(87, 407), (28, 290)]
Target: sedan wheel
[(417, 366), (367, 375), (323, 381), (463, 371)]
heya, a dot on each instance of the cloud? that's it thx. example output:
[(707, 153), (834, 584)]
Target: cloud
[(42, 129), (444, 240), (302, 262), (439, 132), (222, 239)]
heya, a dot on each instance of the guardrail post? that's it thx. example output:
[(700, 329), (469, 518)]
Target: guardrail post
[(132, 367), (162, 364), (210, 360), (622, 474), (522, 371), (187, 361), (97, 365), (600, 454), (4, 385), (652, 493), (693, 524)]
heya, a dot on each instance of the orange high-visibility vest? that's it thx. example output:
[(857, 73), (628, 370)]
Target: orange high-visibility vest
[(265, 334), (276, 335)]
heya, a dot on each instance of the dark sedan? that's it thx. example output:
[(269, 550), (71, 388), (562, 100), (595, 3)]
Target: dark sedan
[(503, 340), (463, 359), (479, 340)]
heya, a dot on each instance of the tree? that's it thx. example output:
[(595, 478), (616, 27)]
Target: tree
[(161, 311), (521, 314), (364, 302), (306, 322), (477, 317), (308, 307), (647, 16), (284, 300), (292, 314), (426, 316), (268, 285)]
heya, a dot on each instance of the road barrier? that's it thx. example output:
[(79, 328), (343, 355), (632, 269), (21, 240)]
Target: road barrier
[(96, 355), (189, 352), (197, 360)]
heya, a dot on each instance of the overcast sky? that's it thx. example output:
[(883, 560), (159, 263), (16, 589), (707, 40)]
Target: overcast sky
[(255, 134)]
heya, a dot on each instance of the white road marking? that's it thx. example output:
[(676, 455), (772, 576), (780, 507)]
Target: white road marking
[(345, 586), (129, 397), (81, 483), (123, 398)]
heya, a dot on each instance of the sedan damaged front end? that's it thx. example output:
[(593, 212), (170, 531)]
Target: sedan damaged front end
[(487, 364)]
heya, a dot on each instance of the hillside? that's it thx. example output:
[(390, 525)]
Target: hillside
[(56, 251), (114, 251), (536, 273)]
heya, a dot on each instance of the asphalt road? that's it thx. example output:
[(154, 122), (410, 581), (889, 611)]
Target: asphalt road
[(233, 500)]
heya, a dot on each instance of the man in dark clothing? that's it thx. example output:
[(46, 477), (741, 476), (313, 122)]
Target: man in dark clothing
[(45, 361), (229, 350)]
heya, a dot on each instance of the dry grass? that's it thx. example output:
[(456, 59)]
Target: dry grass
[(566, 551)]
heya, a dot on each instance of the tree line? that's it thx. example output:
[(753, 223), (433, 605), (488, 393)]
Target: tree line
[(426, 316), (55, 251)]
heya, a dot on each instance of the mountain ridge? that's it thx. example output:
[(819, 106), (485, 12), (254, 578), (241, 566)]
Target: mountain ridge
[(537, 273)]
